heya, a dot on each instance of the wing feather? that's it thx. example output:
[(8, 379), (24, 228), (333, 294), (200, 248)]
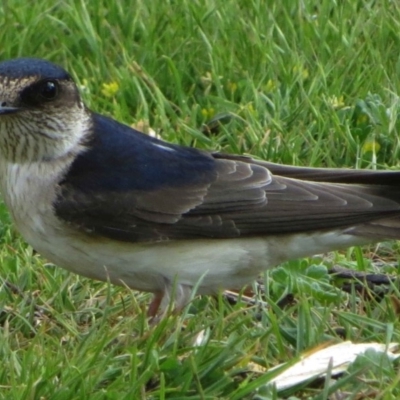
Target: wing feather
[(131, 187)]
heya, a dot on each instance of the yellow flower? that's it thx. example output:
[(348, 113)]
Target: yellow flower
[(232, 86), (301, 70), (336, 102), (83, 87), (270, 86), (207, 113), (110, 89), (362, 119), (250, 109), (371, 146)]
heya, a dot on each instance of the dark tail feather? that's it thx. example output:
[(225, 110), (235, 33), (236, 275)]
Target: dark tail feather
[(383, 229), (336, 175)]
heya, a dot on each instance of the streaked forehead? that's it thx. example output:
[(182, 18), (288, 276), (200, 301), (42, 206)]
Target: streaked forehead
[(21, 68)]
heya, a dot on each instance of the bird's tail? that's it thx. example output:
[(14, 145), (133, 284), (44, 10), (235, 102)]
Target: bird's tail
[(388, 229), (386, 184)]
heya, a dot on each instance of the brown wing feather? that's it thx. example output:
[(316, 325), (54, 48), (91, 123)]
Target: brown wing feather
[(244, 199), (332, 175)]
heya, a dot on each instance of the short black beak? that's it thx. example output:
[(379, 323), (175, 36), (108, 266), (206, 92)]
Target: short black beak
[(8, 110)]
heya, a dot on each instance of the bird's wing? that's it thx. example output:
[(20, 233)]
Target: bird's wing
[(131, 187), (333, 175), (243, 200)]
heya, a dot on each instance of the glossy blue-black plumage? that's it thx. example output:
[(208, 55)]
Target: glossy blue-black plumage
[(25, 67), (120, 159)]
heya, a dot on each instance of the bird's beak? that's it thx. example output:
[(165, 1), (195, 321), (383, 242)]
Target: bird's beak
[(5, 110)]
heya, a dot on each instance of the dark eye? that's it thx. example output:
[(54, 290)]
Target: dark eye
[(48, 90)]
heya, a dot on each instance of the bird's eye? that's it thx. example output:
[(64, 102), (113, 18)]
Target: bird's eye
[(48, 90)]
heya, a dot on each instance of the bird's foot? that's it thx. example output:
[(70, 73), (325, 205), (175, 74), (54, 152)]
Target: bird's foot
[(174, 297)]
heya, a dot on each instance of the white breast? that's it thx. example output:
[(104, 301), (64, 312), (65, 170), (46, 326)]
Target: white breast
[(214, 263)]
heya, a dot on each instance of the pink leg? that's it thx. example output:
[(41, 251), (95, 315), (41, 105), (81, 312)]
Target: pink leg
[(155, 305), (161, 301)]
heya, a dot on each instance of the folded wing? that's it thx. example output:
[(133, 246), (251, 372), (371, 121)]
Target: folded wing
[(154, 191)]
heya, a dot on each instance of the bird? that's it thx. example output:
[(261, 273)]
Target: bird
[(105, 201)]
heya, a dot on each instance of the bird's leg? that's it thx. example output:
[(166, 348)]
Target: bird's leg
[(155, 305), (181, 295)]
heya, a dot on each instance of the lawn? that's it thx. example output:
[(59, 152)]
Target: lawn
[(298, 82)]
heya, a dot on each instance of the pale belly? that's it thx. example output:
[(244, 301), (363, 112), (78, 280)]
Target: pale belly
[(209, 264)]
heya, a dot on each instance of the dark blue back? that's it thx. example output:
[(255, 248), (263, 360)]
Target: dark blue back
[(120, 159)]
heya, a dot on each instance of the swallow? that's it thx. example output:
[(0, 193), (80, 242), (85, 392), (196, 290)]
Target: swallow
[(105, 201)]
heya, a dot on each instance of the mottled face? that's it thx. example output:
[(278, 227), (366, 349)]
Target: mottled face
[(41, 114)]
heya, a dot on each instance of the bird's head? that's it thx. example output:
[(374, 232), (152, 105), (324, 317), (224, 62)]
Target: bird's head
[(42, 116)]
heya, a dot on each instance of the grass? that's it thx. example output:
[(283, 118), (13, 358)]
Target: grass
[(299, 82)]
